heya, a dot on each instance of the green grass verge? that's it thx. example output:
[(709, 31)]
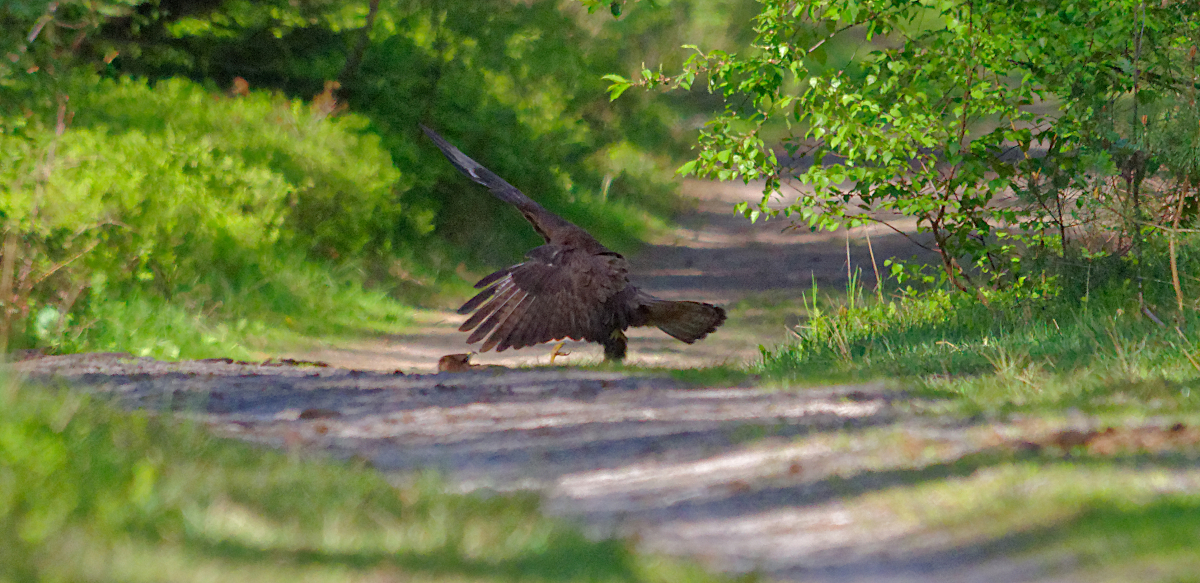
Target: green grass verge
[(1029, 352), (295, 304), (88, 493)]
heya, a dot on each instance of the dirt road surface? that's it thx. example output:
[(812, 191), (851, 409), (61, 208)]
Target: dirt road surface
[(738, 477)]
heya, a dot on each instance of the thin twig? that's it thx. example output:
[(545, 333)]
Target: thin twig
[(1165, 228), (874, 265), (7, 263), (848, 277), (1153, 318), (61, 264), (1174, 261)]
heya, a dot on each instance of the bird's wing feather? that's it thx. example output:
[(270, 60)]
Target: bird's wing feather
[(559, 292), (552, 228)]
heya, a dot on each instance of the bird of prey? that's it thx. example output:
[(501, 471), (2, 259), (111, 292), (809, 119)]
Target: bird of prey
[(571, 287)]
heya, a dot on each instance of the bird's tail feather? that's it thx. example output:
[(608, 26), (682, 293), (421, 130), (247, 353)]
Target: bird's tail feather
[(686, 321)]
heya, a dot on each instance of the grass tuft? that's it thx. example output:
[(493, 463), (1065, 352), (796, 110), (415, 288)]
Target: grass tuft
[(1021, 351)]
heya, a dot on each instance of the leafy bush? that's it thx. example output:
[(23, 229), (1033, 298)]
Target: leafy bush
[(173, 191), (319, 182), (61, 467)]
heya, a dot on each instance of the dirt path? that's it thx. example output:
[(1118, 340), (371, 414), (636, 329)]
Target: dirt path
[(739, 478), (712, 255)]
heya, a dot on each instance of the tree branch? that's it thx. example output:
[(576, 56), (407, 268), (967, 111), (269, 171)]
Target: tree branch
[(354, 61)]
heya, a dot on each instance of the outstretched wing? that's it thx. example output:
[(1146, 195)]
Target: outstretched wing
[(552, 228), (559, 292)]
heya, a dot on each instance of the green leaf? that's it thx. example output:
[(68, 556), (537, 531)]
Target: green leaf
[(618, 86), (616, 89)]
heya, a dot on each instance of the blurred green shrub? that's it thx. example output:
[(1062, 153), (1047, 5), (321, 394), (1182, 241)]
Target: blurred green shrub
[(171, 189), (263, 168)]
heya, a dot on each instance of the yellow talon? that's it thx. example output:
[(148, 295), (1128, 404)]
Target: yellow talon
[(558, 351)]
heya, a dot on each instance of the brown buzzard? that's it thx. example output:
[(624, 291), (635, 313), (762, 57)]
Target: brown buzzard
[(571, 287)]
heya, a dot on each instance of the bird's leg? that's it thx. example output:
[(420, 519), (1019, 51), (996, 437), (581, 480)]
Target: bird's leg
[(614, 346), (558, 351)]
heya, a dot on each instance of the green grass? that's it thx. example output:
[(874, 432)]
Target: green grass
[(297, 302), (88, 493), (1109, 514), (1033, 351), (1160, 538)]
